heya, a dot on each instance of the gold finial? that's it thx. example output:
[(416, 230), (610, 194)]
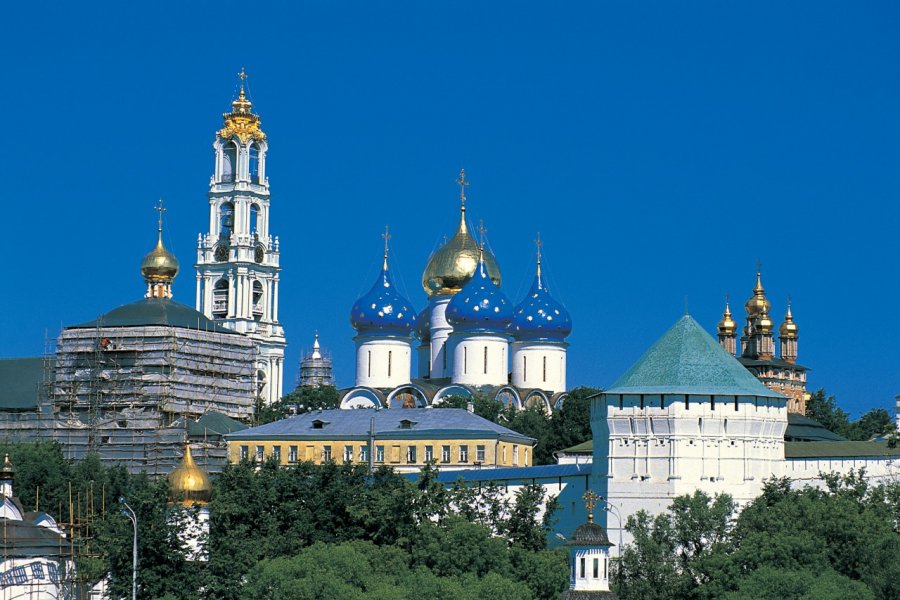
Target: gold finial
[(590, 501), (727, 308), (481, 231), (386, 236), (759, 287), (243, 77), (538, 243), (462, 183)]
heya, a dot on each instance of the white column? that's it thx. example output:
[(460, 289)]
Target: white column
[(232, 293), (440, 332), (199, 285), (275, 301)]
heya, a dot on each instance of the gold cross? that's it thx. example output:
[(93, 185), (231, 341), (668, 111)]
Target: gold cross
[(160, 209), (590, 501), (242, 75), (538, 243), (462, 183), (386, 236)]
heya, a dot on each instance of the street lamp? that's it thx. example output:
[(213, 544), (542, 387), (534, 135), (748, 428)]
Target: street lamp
[(129, 512), (611, 508)]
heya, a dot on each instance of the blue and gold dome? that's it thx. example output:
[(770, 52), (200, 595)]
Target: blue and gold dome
[(539, 316), (382, 309), (480, 305)]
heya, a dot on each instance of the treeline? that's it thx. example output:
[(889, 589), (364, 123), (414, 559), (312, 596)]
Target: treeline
[(298, 532), (841, 542), (875, 423)]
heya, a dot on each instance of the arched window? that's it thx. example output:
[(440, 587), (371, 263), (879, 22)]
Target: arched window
[(226, 220), (254, 217), (220, 299), (257, 300), (229, 161), (253, 167)]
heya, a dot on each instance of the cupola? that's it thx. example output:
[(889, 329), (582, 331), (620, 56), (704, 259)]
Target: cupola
[(539, 316), (383, 310), (758, 303), (160, 266), (788, 328), (188, 483), (480, 305)]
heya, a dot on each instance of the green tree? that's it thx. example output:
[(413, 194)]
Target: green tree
[(303, 399), (825, 410), (483, 406)]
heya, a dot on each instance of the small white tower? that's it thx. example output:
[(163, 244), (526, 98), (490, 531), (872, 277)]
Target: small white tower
[(540, 326), (589, 558), (480, 315), (238, 264), (316, 369), (383, 320)]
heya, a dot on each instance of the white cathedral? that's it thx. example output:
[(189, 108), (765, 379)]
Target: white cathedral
[(471, 338), (238, 260)]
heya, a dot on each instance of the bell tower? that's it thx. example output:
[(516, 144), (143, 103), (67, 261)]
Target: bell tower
[(238, 263)]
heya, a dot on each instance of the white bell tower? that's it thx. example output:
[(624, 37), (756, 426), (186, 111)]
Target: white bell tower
[(238, 260)]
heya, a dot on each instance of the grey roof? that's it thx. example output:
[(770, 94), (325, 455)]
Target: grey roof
[(154, 311), (589, 534), (804, 429), (20, 382), (775, 362), (210, 424), (354, 424), (687, 360)]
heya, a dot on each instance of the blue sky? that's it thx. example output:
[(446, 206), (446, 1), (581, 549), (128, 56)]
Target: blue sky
[(660, 148)]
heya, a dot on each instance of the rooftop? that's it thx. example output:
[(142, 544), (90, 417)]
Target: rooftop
[(687, 360), (842, 449), (154, 311), (404, 423), (804, 429)]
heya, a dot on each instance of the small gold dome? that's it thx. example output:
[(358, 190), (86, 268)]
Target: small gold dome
[(789, 329), (188, 483), (160, 265), (727, 324), (454, 263), (758, 303), (764, 323)]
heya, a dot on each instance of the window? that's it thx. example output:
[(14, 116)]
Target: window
[(735, 403), (37, 570), (596, 568), (687, 402), (581, 561), (390, 360), (260, 453), (18, 575), (516, 454), (485, 360), (379, 454), (254, 218), (276, 453), (605, 568), (524, 368), (292, 454), (410, 455), (465, 360), (642, 402), (220, 298), (53, 571), (464, 453), (526, 457), (229, 160), (369, 367), (504, 455), (326, 453), (364, 454), (479, 453), (348, 453), (712, 403), (429, 453), (245, 452), (545, 368), (258, 309), (445, 454)]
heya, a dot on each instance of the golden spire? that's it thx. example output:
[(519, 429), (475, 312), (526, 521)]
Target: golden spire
[(241, 121), (386, 236), (160, 266), (463, 184), (788, 329), (590, 501), (758, 303), (727, 325)]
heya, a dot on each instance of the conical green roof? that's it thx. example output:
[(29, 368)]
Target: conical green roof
[(687, 360)]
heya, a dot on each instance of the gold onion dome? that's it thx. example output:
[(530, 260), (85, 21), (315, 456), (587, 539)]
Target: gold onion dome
[(160, 266), (789, 329), (727, 324), (764, 322), (454, 263), (758, 303), (188, 483)]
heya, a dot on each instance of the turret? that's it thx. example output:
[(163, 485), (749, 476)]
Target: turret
[(727, 329), (589, 558), (160, 266), (788, 336)]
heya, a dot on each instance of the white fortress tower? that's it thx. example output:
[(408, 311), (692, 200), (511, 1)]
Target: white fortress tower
[(238, 260), (383, 320), (540, 326)]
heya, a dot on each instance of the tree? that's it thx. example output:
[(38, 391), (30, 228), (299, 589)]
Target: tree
[(483, 406), (824, 409), (303, 399)]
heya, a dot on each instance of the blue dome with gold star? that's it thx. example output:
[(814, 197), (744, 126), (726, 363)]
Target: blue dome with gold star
[(383, 310), (480, 305), (539, 316)]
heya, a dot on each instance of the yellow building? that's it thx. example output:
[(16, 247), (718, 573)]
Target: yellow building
[(452, 438)]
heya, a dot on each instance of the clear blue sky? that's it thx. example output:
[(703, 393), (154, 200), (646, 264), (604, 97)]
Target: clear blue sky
[(660, 148)]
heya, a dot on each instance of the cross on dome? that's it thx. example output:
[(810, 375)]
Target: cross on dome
[(590, 501), (462, 183)]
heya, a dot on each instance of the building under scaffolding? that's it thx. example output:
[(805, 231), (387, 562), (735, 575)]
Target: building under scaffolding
[(137, 383)]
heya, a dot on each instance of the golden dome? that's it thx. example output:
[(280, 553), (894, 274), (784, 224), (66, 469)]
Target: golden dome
[(160, 266), (727, 324), (454, 263), (188, 483), (764, 323), (758, 303), (789, 329)]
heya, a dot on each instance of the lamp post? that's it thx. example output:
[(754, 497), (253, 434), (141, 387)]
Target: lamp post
[(129, 512), (611, 508)]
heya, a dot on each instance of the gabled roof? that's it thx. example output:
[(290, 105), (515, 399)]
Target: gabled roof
[(687, 360), (804, 429), (154, 311), (354, 424)]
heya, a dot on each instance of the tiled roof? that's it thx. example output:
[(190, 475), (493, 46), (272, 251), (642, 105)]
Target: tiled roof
[(687, 360), (804, 429), (389, 423)]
